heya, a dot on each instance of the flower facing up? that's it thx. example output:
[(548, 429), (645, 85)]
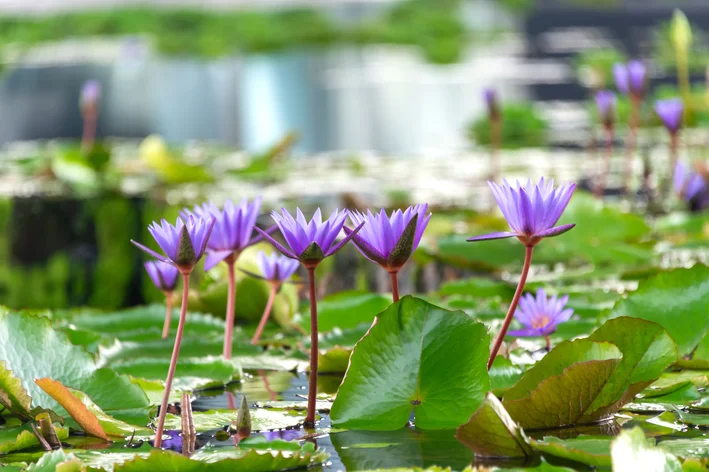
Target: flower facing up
[(276, 267), (670, 113), (630, 78), (605, 103), (232, 230), (493, 105), (183, 244), (541, 314), (309, 242), (390, 241), (531, 210), (163, 275), (686, 183)]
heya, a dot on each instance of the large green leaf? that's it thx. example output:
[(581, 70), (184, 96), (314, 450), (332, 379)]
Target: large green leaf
[(560, 389), (263, 419), (589, 450), (677, 300), (346, 310), (503, 375), (13, 395), (191, 373), (491, 432), (631, 450), (647, 351), (22, 437), (416, 357)]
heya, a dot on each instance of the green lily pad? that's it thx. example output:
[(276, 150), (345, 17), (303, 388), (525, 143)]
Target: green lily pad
[(566, 381), (503, 375), (190, 374), (631, 450), (22, 437), (346, 310), (491, 432), (677, 301), (262, 419), (13, 395), (416, 357), (696, 447), (479, 287), (591, 450), (334, 361)]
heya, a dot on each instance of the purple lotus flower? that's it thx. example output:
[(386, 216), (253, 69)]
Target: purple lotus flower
[(605, 103), (390, 241), (90, 93), (671, 113), (232, 231), (493, 106), (309, 242), (540, 315), (163, 275), (630, 78), (276, 267), (531, 210), (686, 183), (183, 244)]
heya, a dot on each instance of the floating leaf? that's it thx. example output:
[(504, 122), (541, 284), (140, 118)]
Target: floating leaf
[(23, 437), (13, 395), (262, 419), (566, 382), (347, 309), (503, 375), (416, 357), (677, 301), (74, 406), (595, 451), (491, 432), (52, 462), (334, 361), (632, 451), (190, 374)]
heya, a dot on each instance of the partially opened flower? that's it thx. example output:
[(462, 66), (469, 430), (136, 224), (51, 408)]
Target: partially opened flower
[(670, 113), (276, 269), (90, 94), (310, 242), (605, 103), (686, 183), (492, 103), (541, 314), (183, 244), (630, 78), (531, 210), (164, 276), (390, 241)]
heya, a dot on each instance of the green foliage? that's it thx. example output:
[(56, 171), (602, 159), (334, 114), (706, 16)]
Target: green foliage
[(522, 126), (594, 67)]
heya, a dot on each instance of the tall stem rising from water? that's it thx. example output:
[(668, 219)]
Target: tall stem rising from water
[(394, 285), (313, 381), (528, 250), (168, 315), (266, 313), (173, 360), (230, 305)]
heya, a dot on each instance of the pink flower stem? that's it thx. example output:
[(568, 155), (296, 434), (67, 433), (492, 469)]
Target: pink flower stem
[(168, 314), (528, 250), (313, 381), (230, 305), (266, 312), (394, 285), (173, 359), (89, 131)]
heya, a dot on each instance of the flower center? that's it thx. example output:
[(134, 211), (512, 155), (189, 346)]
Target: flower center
[(541, 322)]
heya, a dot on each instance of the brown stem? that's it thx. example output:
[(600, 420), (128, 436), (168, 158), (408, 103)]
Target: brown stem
[(230, 304), (168, 314), (528, 250), (313, 381), (603, 179), (631, 141), (674, 153), (394, 285), (548, 341), (173, 360), (266, 313), (89, 132)]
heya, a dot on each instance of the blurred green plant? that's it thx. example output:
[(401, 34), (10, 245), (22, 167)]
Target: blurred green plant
[(522, 126), (594, 67), (691, 36)]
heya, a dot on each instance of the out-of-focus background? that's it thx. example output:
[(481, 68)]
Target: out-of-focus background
[(332, 103)]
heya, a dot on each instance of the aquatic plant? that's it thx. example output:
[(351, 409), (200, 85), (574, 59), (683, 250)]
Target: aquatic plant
[(88, 104), (183, 245), (630, 80), (390, 241), (671, 113), (310, 242), (681, 39), (494, 116), (531, 210), (164, 276), (232, 234), (276, 269), (606, 105), (541, 315)]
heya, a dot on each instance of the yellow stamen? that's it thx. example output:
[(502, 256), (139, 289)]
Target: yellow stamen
[(541, 322)]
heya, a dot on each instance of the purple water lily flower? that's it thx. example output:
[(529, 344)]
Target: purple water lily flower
[(163, 275), (605, 103), (630, 78), (232, 231), (493, 105), (686, 183), (531, 210), (276, 267), (90, 93), (541, 314), (183, 244), (670, 113), (309, 242)]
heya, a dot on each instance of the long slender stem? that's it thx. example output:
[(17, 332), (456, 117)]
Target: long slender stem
[(313, 384), (631, 140), (674, 150), (394, 285), (603, 180), (266, 313), (513, 306), (230, 304), (89, 131), (168, 314), (173, 359)]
